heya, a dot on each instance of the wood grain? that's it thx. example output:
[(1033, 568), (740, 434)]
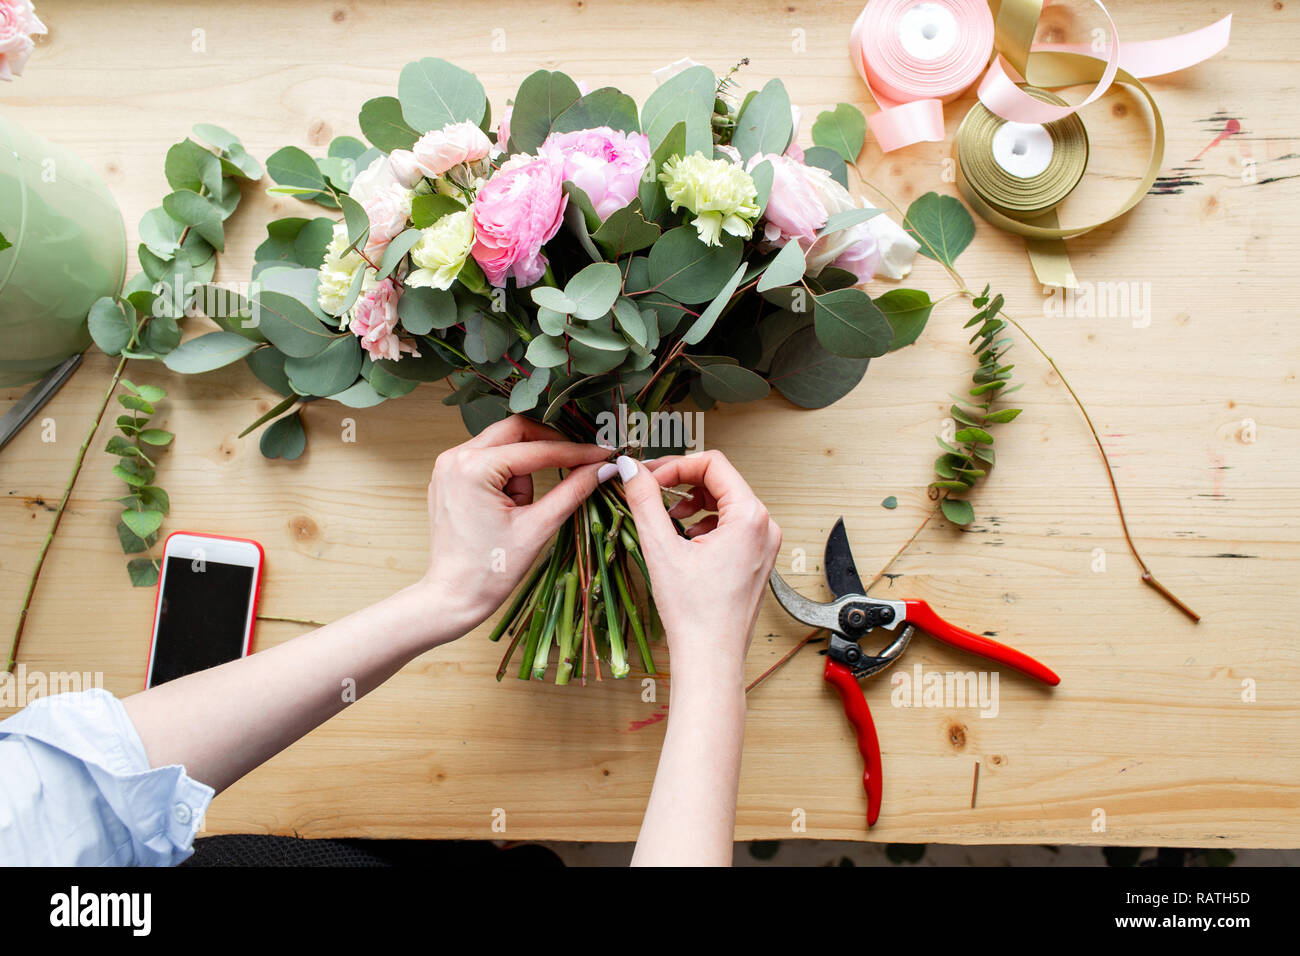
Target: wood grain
[(1148, 725)]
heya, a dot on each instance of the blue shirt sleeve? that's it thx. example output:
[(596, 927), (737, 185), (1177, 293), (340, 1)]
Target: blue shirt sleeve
[(76, 789)]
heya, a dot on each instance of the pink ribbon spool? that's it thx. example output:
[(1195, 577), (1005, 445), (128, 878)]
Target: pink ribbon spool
[(914, 56)]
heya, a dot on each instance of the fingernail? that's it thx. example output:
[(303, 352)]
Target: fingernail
[(606, 472), (626, 468), (601, 444)]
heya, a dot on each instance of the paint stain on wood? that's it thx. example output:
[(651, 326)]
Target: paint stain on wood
[(657, 717)]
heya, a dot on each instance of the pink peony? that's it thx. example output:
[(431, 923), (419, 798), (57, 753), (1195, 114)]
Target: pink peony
[(374, 321), (605, 164), (517, 212), (794, 210), (388, 210), (439, 150), (862, 257), (18, 24)]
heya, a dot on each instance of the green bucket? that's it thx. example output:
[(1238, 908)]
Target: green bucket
[(68, 249)]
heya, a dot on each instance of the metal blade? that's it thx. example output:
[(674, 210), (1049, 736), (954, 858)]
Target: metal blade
[(35, 398), (841, 573)]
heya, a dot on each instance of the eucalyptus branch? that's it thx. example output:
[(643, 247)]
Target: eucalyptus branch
[(58, 517)]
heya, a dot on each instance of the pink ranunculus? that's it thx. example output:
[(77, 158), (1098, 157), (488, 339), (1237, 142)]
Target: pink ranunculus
[(388, 210), (439, 150), (374, 321), (794, 210), (18, 24), (605, 164), (515, 213)]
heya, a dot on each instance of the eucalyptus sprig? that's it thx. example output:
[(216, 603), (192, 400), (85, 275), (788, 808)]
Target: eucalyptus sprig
[(963, 464), (145, 502), (179, 242)]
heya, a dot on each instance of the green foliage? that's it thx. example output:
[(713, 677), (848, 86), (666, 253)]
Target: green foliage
[(941, 225), (145, 504), (843, 130), (962, 464)]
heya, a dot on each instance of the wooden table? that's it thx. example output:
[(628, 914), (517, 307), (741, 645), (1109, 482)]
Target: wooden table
[(1149, 726)]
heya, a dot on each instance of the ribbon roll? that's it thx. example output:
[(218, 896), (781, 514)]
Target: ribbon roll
[(1024, 171), (914, 56), (1042, 232)]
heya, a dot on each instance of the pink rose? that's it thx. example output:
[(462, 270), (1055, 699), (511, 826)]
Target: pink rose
[(18, 24), (388, 210), (374, 321), (862, 257), (605, 164), (794, 210), (517, 212), (439, 150)]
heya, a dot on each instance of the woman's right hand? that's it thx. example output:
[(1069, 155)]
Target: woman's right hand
[(708, 585)]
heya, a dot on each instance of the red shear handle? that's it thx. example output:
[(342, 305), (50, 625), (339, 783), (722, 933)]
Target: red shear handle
[(924, 617), (859, 714)]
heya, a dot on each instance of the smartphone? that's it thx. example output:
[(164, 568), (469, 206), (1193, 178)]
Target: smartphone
[(206, 604)]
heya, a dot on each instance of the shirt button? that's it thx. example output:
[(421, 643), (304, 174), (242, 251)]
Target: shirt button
[(182, 813)]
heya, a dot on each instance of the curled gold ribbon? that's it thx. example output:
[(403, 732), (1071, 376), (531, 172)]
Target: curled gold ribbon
[(1040, 227)]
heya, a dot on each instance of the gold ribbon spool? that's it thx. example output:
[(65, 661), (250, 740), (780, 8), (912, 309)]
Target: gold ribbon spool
[(1029, 199), (1043, 234)]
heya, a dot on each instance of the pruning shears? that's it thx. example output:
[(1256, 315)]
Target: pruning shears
[(851, 617)]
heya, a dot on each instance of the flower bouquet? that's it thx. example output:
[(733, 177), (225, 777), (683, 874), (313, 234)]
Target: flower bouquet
[(586, 263)]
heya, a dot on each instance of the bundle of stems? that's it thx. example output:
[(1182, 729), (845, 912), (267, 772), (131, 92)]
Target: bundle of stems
[(579, 602)]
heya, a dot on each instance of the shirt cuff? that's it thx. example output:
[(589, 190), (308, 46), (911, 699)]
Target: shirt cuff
[(161, 808)]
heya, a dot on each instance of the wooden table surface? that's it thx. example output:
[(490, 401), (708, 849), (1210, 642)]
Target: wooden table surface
[(1154, 729)]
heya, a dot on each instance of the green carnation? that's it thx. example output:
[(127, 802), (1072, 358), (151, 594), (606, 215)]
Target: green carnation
[(720, 193)]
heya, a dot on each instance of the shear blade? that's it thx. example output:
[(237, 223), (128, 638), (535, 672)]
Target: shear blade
[(841, 572)]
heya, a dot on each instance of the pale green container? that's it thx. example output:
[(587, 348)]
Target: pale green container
[(69, 249)]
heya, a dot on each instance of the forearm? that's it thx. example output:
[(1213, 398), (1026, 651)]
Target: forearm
[(223, 722), (691, 816)]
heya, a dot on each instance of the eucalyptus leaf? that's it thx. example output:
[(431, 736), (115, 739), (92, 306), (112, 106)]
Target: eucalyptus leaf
[(689, 271), (542, 98), (109, 326), (941, 225), (825, 158), (382, 123), (207, 352), (704, 324), (957, 510), (654, 201), (907, 311), (625, 230), (195, 211), (434, 93), (143, 572), (786, 269), (606, 106), (547, 351), (526, 393), (848, 323), (685, 98), (291, 166), (285, 438), (593, 290), (331, 370), (422, 309), (396, 251), (764, 124), (733, 383), (843, 129), (811, 377)]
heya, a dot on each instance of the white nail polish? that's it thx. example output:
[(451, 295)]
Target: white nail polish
[(626, 468), (606, 472)]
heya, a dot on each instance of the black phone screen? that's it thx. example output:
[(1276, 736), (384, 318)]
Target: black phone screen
[(202, 617)]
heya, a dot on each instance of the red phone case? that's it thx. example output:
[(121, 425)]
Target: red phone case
[(257, 593)]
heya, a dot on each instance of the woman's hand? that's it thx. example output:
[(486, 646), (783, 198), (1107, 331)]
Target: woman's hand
[(708, 585), (486, 530)]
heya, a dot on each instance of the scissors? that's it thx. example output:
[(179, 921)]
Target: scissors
[(852, 616), (35, 398)]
